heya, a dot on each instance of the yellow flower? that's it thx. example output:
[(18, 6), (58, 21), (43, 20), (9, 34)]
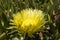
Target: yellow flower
[(29, 20)]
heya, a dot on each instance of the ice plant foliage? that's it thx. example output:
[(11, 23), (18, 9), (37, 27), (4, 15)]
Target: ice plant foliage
[(29, 20)]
